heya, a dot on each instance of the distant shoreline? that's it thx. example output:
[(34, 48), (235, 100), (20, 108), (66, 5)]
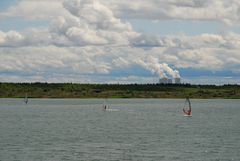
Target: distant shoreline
[(129, 91), (119, 98)]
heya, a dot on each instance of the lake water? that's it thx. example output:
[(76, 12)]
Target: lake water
[(133, 130)]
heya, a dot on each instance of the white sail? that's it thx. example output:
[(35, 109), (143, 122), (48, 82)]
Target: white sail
[(105, 105), (26, 98)]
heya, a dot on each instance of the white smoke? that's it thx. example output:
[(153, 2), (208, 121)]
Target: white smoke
[(161, 69), (173, 73)]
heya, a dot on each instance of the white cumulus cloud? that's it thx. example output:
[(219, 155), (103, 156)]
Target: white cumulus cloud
[(94, 37)]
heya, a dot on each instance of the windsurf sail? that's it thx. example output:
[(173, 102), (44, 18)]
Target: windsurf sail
[(187, 109), (105, 105), (26, 99)]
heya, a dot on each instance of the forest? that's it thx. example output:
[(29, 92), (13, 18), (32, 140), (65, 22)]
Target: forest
[(74, 90)]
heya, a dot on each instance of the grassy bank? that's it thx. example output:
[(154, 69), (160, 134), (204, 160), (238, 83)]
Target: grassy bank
[(70, 90)]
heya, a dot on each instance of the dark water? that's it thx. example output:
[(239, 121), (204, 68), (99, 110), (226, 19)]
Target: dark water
[(136, 129)]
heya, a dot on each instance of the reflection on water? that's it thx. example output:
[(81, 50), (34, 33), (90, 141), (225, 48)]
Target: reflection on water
[(132, 129)]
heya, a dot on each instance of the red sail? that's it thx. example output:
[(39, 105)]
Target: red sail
[(187, 108)]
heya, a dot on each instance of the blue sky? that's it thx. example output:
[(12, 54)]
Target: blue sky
[(176, 27), (124, 42), (4, 4), (20, 24)]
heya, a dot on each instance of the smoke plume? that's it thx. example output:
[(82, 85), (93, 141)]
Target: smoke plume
[(161, 69)]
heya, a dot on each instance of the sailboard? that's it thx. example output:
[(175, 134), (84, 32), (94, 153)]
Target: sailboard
[(187, 109), (26, 98), (105, 105)]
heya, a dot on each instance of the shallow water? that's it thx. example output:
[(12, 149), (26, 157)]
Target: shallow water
[(133, 129)]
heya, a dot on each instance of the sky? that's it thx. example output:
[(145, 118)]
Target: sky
[(111, 41)]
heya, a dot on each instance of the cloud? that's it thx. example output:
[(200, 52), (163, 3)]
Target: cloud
[(51, 59), (92, 39), (33, 9), (11, 38), (218, 10), (81, 23), (96, 24), (98, 63)]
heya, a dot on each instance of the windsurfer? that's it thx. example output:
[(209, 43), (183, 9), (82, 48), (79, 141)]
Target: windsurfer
[(188, 112)]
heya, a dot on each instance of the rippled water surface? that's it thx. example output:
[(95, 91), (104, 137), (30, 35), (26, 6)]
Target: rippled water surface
[(133, 129)]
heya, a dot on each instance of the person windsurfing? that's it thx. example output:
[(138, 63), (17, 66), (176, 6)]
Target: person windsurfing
[(105, 107), (188, 111)]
